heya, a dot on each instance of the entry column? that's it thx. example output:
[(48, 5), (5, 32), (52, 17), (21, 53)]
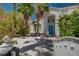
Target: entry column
[(56, 26)]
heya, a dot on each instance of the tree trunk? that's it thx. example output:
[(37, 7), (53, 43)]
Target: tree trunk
[(37, 26), (38, 17), (14, 17), (14, 27), (26, 18)]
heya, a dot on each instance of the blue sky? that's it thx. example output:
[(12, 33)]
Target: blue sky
[(9, 6)]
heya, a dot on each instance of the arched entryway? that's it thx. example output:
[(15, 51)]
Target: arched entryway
[(51, 25)]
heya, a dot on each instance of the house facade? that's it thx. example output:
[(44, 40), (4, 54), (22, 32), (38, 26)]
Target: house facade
[(49, 22)]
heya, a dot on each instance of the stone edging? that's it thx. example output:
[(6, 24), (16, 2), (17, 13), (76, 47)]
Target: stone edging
[(71, 39)]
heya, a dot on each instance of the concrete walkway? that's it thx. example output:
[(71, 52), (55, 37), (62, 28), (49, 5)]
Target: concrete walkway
[(30, 46)]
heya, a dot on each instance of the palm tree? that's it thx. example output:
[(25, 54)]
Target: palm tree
[(27, 10), (14, 26), (41, 8)]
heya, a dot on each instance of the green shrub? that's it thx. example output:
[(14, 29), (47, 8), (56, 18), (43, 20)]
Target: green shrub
[(6, 27), (69, 24), (22, 28)]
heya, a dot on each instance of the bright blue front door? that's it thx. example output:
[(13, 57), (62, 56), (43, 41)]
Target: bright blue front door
[(51, 29)]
